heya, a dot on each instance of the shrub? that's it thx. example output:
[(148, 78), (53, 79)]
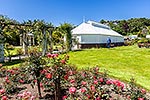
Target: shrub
[(54, 75)]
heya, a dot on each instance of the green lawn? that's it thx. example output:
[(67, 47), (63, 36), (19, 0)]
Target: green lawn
[(121, 62), (13, 52)]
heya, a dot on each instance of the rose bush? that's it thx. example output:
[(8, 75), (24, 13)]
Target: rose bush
[(52, 74)]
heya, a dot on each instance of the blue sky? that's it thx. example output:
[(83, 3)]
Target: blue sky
[(73, 11)]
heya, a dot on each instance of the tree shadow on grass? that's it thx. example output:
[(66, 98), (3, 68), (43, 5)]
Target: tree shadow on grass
[(13, 62)]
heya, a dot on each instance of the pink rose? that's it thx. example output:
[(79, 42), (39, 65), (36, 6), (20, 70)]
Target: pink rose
[(72, 90), (33, 98), (2, 91), (83, 83), (41, 85), (140, 98), (21, 81), (93, 88), (143, 91), (82, 90), (97, 69), (70, 72), (98, 98), (95, 81), (6, 78), (101, 80), (72, 81), (109, 82)]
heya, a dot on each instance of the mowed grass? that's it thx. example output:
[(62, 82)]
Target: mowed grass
[(120, 62), (13, 52)]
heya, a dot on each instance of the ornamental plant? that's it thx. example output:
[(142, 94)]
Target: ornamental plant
[(56, 70), (53, 75)]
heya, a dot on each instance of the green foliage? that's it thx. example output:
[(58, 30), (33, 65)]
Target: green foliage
[(66, 29), (133, 25), (143, 40), (58, 36), (7, 50), (9, 32)]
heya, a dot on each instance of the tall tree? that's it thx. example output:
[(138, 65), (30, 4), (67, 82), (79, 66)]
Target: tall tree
[(66, 30)]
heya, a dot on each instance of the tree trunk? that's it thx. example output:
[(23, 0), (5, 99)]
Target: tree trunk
[(51, 44), (39, 89), (37, 74), (1, 53), (25, 44), (57, 89), (44, 43)]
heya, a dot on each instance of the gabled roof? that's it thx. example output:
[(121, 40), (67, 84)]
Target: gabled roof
[(92, 27)]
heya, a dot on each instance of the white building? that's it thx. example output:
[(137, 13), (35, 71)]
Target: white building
[(92, 34)]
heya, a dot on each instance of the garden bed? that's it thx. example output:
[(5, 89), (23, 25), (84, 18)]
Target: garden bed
[(110, 92), (54, 79)]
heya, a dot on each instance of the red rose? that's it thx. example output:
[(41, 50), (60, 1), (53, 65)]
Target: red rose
[(49, 55), (64, 97), (11, 71), (34, 81), (4, 98), (128, 97), (41, 85), (94, 77), (63, 61), (88, 96), (7, 80), (43, 71), (66, 77), (48, 75), (54, 55), (72, 90), (118, 83)]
